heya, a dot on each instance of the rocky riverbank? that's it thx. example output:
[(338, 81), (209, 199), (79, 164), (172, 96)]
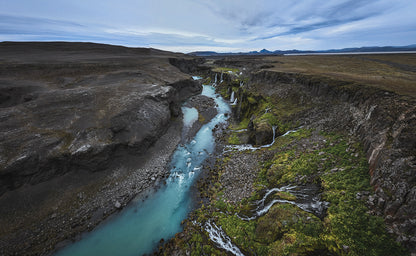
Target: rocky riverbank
[(84, 129)]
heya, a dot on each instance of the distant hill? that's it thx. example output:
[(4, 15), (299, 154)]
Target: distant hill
[(294, 51)]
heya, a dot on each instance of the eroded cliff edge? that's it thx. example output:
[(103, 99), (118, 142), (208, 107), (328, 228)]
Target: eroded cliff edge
[(382, 121), (84, 128)]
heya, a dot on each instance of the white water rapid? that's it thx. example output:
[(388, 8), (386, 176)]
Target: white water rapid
[(220, 238)]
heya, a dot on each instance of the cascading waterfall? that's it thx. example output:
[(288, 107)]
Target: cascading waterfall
[(221, 80), (274, 138), (251, 147), (307, 199), (233, 99), (219, 237), (244, 147), (232, 96)]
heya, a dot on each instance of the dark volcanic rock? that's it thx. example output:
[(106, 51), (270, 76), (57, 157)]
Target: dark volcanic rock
[(262, 134), (51, 127), (189, 65), (82, 130), (206, 111)]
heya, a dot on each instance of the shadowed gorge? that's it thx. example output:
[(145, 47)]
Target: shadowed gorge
[(317, 156), (84, 128)]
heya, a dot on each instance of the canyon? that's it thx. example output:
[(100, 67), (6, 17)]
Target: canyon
[(85, 128)]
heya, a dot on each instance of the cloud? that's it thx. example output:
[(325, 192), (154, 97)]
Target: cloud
[(29, 25)]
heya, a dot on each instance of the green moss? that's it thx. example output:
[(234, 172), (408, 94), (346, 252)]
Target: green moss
[(196, 241), (348, 223), (241, 125), (207, 80), (209, 250), (269, 118), (242, 233), (284, 218), (364, 234), (342, 175), (286, 196), (251, 100), (201, 118), (233, 139)]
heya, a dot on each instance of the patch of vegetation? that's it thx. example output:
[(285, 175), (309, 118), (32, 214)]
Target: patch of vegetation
[(207, 80), (286, 196), (233, 139), (225, 69), (251, 100), (241, 125), (342, 171), (348, 225), (201, 118), (348, 229), (242, 232)]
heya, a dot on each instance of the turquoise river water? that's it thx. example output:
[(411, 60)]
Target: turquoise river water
[(138, 228)]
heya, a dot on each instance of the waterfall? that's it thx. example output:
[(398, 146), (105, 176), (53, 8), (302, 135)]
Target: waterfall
[(241, 83), (221, 80), (274, 133), (233, 99), (215, 81), (249, 146), (307, 198), (218, 236)]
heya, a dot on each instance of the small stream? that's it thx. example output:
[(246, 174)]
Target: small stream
[(244, 147), (138, 228)]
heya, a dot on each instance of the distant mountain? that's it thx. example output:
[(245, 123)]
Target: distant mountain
[(376, 49), (206, 53), (294, 51)]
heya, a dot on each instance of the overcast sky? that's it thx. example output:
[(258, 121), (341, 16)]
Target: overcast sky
[(218, 25)]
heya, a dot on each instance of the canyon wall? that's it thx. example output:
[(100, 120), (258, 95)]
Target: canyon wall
[(384, 122), (84, 128), (77, 112)]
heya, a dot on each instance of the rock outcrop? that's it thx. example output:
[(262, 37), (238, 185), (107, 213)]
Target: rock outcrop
[(79, 131), (54, 124)]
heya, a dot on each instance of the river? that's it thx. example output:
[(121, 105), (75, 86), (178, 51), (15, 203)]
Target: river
[(138, 228)]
